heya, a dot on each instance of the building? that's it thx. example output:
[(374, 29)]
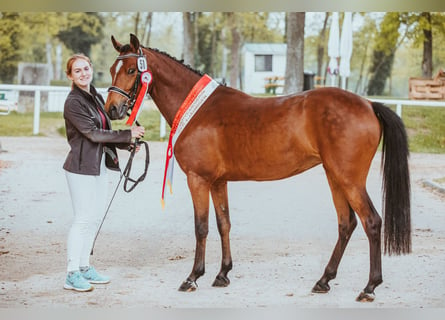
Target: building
[(263, 63)]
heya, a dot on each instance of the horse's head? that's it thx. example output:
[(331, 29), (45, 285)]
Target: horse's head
[(125, 77)]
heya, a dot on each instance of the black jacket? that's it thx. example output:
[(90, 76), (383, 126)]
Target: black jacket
[(85, 135)]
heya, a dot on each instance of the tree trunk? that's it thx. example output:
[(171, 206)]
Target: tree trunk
[(294, 76), (321, 45), (235, 50), (359, 86), (427, 62), (136, 23), (147, 31), (383, 56), (189, 38)]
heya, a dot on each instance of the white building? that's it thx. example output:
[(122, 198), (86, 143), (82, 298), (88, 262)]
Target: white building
[(261, 61)]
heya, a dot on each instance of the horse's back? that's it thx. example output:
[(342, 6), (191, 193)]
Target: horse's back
[(242, 137)]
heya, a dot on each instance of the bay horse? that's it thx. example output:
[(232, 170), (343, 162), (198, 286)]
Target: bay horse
[(238, 137)]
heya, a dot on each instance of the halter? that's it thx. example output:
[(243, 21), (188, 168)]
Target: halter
[(144, 76)]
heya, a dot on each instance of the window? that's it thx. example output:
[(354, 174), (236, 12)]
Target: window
[(263, 62)]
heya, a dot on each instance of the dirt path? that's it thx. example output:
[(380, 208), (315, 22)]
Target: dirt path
[(283, 233)]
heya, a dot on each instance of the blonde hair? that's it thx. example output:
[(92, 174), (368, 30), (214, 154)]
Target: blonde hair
[(74, 57)]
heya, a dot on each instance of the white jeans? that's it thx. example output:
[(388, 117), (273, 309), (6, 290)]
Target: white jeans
[(88, 197)]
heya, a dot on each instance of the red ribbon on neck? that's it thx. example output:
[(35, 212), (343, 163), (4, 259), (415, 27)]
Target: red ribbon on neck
[(197, 88), (145, 80)]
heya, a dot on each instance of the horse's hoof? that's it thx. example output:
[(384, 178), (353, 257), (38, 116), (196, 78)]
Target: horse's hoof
[(188, 286), (221, 281), (321, 288), (365, 297)]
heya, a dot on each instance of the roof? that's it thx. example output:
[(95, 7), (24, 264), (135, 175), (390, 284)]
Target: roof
[(266, 48)]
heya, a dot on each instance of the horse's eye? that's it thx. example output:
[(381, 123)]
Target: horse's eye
[(131, 71)]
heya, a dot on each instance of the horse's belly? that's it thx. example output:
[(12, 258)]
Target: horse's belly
[(271, 169)]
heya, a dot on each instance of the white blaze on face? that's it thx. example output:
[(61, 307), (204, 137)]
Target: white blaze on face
[(118, 67)]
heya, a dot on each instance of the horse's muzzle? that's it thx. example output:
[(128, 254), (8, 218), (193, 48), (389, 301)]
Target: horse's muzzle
[(117, 113)]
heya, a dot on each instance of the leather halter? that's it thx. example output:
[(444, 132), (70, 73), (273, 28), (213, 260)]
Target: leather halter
[(142, 67)]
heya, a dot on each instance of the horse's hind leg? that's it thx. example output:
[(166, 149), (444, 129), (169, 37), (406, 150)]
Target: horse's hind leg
[(199, 190), (346, 225), (372, 224), (221, 203)]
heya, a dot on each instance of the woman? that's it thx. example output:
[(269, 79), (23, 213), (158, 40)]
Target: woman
[(93, 149)]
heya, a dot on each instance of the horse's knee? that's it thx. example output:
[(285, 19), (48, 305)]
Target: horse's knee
[(201, 230), (373, 226)]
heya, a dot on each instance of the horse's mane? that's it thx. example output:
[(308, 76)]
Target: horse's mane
[(127, 48), (175, 59)]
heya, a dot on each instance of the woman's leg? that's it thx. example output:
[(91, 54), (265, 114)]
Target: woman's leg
[(83, 196), (99, 208)]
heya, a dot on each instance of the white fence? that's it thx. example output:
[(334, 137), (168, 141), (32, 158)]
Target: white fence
[(400, 103), (57, 96)]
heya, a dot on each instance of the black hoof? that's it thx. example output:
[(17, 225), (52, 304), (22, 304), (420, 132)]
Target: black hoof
[(188, 286), (365, 297), (221, 281), (321, 288)]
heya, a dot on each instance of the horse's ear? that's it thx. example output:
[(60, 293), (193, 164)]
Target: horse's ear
[(116, 44), (134, 41)]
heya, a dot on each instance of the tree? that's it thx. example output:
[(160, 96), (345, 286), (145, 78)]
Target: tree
[(190, 37), (362, 43), (427, 61), (294, 76), (81, 31), (210, 39), (10, 45), (321, 45), (424, 27), (383, 54), (142, 27), (234, 49), (221, 32)]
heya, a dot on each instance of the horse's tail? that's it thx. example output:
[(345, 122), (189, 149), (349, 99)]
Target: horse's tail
[(396, 182)]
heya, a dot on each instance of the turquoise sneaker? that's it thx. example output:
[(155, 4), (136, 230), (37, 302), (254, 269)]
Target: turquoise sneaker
[(75, 281), (92, 276)]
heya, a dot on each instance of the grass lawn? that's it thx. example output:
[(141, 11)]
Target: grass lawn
[(425, 126), (21, 124)]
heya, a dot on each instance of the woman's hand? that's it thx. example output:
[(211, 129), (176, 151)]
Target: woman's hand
[(131, 147), (137, 132)]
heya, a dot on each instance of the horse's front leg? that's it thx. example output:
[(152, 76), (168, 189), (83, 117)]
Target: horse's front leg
[(221, 203), (199, 189)]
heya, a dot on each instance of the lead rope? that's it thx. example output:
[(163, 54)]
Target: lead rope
[(126, 174)]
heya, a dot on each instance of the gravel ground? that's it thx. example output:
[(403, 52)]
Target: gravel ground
[(283, 233)]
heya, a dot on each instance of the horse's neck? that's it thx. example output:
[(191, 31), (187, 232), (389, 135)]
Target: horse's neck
[(171, 84)]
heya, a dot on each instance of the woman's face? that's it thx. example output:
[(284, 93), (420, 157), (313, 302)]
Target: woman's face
[(81, 74)]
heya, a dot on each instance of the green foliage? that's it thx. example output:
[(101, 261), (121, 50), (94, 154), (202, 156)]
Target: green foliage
[(208, 36), (252, 25), (30, 37), (10, 45), (82, 31), (27, 36), (39, 30), (381, 67), (383, 55)]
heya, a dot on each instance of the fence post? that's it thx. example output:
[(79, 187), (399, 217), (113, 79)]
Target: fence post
[(399, 109), (162, 130), (36, 112)]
